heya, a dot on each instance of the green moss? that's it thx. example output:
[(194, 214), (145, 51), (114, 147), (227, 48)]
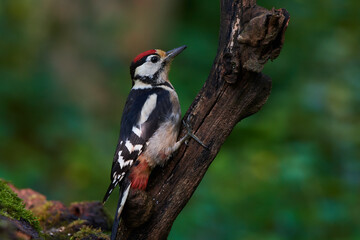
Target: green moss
[(42, 211), (76, 223), (46, 219), (12, 206), (89, 233)]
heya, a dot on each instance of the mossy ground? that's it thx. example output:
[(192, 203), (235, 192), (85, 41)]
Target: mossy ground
[(87, 232), (12, 206), (47, 218)]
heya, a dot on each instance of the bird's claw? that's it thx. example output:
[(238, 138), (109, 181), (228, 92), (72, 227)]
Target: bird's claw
[(190, 134)]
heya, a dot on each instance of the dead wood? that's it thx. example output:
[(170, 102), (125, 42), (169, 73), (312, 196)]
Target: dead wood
[(235, 89)]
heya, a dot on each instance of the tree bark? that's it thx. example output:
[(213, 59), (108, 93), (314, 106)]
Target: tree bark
[(235, 89)]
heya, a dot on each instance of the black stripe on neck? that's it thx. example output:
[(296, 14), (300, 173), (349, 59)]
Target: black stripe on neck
[(167, 84), (145, 79)]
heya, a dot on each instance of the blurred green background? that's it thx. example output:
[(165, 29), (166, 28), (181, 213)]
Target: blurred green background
[(291, 171)]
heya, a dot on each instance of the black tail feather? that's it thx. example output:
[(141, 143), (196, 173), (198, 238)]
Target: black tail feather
[(124, 191), (116, 222), (109, 191)]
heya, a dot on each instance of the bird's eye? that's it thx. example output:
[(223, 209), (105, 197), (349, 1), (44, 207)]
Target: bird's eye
[(154, 59)]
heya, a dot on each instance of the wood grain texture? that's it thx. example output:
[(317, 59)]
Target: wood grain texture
[(235, 89)]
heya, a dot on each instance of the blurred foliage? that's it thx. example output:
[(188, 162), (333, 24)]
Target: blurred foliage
[(291, 171)]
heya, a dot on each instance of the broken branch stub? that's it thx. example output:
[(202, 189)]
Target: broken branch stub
[(262, 37)]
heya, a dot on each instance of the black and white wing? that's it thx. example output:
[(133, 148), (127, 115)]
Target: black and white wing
[(144, 111)]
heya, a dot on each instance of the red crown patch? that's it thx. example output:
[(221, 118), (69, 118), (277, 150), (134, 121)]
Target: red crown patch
[(141, 55)]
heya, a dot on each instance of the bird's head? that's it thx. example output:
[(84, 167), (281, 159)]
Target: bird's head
[(152, 66)]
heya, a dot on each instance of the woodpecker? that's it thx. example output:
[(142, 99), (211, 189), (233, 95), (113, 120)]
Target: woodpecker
[(149, 127)]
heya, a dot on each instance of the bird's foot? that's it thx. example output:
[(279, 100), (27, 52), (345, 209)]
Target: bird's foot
[(190, 134)]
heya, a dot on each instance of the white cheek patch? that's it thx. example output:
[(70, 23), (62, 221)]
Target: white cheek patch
[(147, 69)]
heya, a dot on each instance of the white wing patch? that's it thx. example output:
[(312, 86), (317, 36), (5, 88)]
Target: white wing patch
[(121, 161), (131, 147), (147, 109), (138, 147), (117, 178), (137, 131)]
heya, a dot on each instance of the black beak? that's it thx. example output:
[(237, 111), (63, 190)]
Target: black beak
[(173, 53)]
